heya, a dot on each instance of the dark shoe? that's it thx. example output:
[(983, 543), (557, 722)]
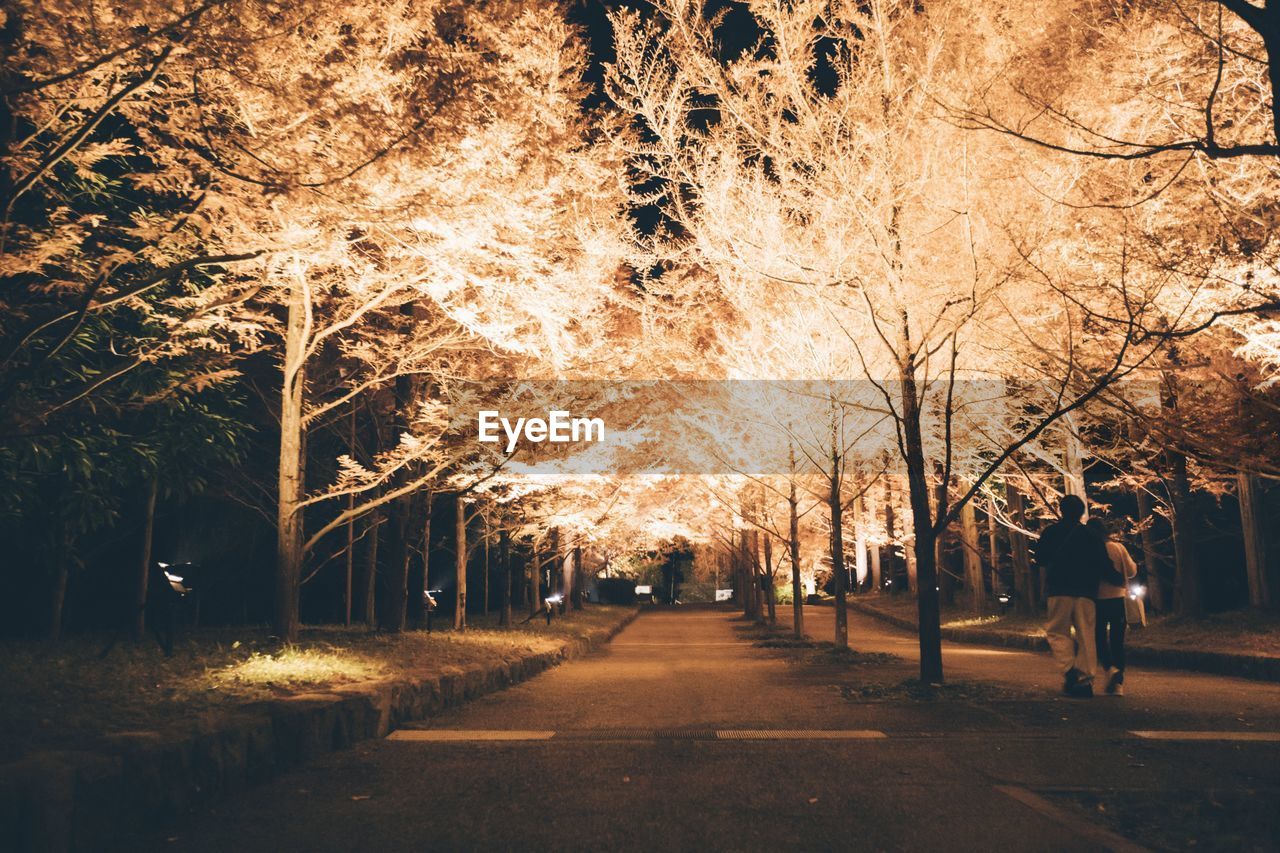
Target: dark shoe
[(1081, 690), (1070, 680)]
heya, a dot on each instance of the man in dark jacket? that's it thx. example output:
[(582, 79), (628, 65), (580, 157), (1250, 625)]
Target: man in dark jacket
[(1073, 557)]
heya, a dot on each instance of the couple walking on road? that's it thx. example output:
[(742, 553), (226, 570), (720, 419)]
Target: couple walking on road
[(1087, 578)]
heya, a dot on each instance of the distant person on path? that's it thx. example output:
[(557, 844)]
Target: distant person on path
[(1111, 617), (1073, 557)]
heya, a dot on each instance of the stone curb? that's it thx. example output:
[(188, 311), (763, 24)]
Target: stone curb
[(1256, 667), (63, 801)]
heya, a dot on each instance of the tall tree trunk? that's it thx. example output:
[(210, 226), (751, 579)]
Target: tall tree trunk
[(535, 581), (1025, 598), (1186, 584), (485, 610), (428, 508), (769, 594), (929, 621), (351, 528), (1073, 459), (841, 640), (993, 545), (972, 558), (913, 572), (744, 571), (504, 558), (1255, 545), (859, 545), (371, 570), (793, 543), (139, 621), (578, 575), (890, 571), (460, 564), (946, 579), (1157, 595), (292, 472)]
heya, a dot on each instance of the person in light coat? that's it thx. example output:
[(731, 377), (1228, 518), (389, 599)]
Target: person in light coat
[(1111, 622)]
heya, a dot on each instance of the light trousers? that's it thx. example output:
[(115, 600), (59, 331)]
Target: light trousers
[(1080, 652)]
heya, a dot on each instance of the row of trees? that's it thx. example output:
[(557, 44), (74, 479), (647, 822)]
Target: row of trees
[(243, 236)]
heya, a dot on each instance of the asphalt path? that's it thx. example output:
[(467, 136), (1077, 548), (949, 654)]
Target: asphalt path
[(692, 731)]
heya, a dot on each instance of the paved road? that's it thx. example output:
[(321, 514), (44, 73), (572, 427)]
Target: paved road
[(685, 734)]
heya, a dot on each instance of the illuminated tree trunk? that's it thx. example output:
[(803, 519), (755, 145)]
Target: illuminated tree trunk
[(292, 471), (396, 607), (890, 535), (744, 572), (1073, 459), (535, 581), (429, 507), (840, 576), (579, 577), (351, 529), (460, 564), (504, 559), (1025, 598), (972, 557), (859, 544), (371, 570), (769, 594), (946, 579), (144, 563), (793, 543), (993, 546), (1255, 547), (485, 605), (1156, 593), (930, 630), (1186, 582)]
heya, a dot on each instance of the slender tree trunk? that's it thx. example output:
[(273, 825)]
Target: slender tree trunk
[(972, 558), (744, 571), (1157, 595), (1255, 545), (793, 543), (913, 572), (578, 576), (1025, 599), (993, 545), (841, 640), (1074, 462), (859, 545), (292, 473), (929, 622), (890, 570), (486, 565), (428, 508), (946, 579), (144, 568), (1186, 584), (769, 594), (504, 558), (371, 570), (460, 564), (535, 581), (351, 529)]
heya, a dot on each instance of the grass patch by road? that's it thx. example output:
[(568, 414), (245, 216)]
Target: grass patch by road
[(64, 695)]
